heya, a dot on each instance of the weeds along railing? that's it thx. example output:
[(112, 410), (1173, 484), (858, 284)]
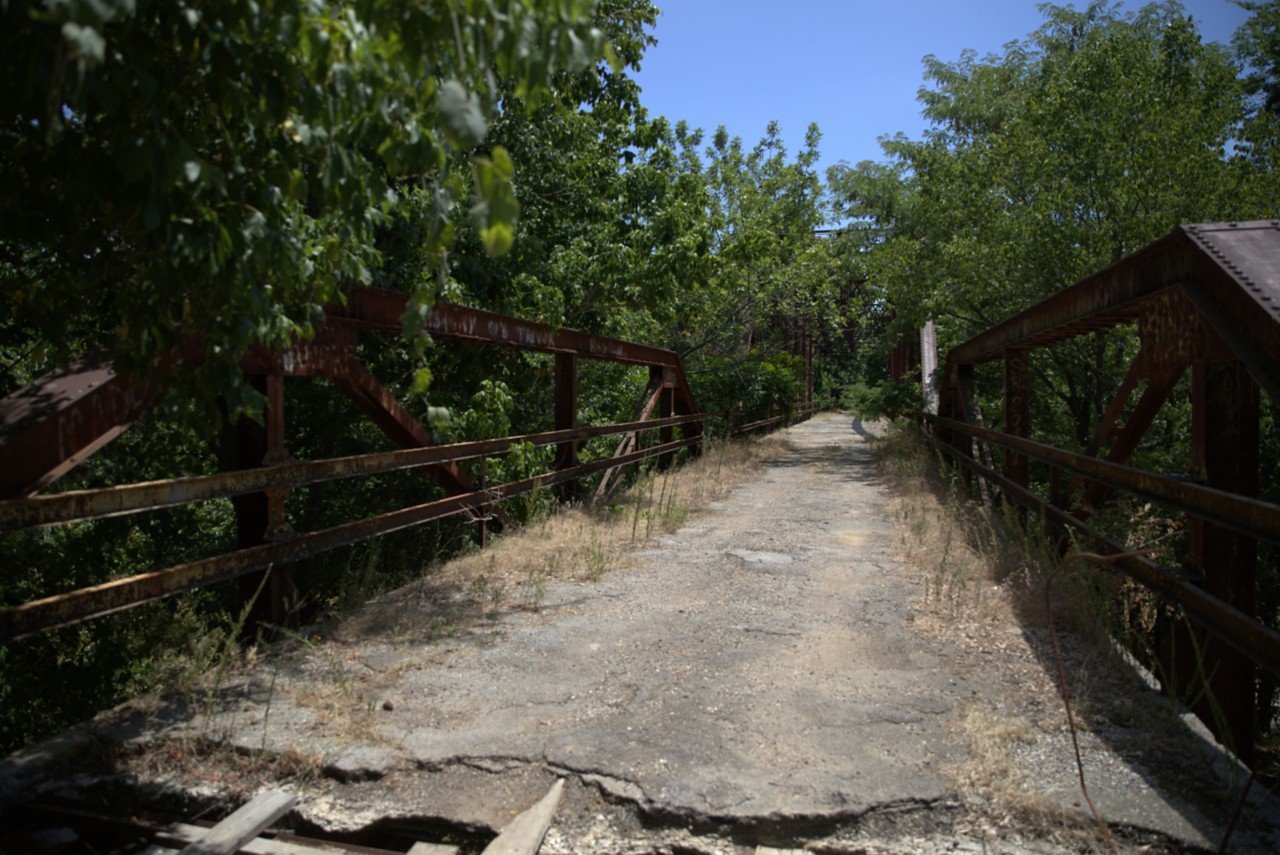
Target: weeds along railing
[(800, 411), (86, 603), (1257, 520), (805, 410), (1205, 300), (52, 426)]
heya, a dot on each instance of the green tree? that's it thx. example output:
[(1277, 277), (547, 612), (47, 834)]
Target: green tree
[(613, 223), (770, 281), (1257, 44), (225, 168), (1257, 47), (1075, 147)]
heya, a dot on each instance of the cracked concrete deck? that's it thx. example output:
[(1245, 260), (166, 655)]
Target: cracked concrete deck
[(758, 668), (757, 663)]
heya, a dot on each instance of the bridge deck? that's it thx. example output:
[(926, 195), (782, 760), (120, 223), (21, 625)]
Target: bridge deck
[(766, 675)]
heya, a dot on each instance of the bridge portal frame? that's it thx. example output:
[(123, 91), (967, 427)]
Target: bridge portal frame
[(1206, 300)]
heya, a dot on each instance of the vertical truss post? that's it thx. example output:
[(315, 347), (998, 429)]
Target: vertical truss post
[(963, 403), (485, 511), (961, 407), (1017, 413), (1225, 415), (1224, 450), (808, 367), (566, 417), (685, 401), (666, 408), (260, 517)]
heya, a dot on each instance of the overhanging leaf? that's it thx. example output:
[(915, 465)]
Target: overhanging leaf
[(495, 215), (85, 42), (463, 118)]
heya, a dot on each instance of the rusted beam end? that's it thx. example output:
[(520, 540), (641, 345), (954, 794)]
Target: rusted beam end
[(55, 424)]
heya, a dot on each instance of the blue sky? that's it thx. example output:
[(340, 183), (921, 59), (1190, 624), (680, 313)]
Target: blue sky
[(852, 66)]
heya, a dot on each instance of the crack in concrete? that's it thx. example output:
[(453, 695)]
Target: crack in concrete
[(762, 631), (657, 813)]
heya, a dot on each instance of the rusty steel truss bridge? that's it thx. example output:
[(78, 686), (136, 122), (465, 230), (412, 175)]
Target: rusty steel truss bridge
[(1205, 300)]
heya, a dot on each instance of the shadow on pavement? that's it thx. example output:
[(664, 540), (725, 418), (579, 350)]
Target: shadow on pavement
[(861, 431)]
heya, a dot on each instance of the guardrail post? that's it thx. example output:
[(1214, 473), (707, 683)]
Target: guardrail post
[(659, 379), (566, 417), (955, 405), (260, 517), (808, 365), (1224, 452), (1017, 413)]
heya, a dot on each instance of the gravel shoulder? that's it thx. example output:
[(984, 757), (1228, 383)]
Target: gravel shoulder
[(774, 672)]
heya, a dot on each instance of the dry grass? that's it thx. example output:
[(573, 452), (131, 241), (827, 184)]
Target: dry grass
[(234, 775), (464, 597), (939, 530), (992, 778), (979, 564), (579, 543), (984, 582)]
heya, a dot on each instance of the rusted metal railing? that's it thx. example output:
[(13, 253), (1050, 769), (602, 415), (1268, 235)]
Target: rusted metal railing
[(800, 411), (50, 427), (1205, 299)]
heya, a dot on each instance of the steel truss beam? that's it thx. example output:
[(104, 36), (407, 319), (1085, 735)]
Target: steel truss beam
[(1205, 298)]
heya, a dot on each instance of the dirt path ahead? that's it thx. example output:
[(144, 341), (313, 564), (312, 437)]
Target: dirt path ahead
[(753, 678)]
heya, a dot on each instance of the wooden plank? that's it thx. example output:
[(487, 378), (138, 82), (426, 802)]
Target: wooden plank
[(181, 834), (433, 849), (523, 836), (228, 836)]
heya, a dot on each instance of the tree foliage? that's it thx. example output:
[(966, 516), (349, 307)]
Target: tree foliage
[(1073, 148), (224, 169), (216, 173), (613, 224), (769, 283), (1257, 44), (1076, 146)]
